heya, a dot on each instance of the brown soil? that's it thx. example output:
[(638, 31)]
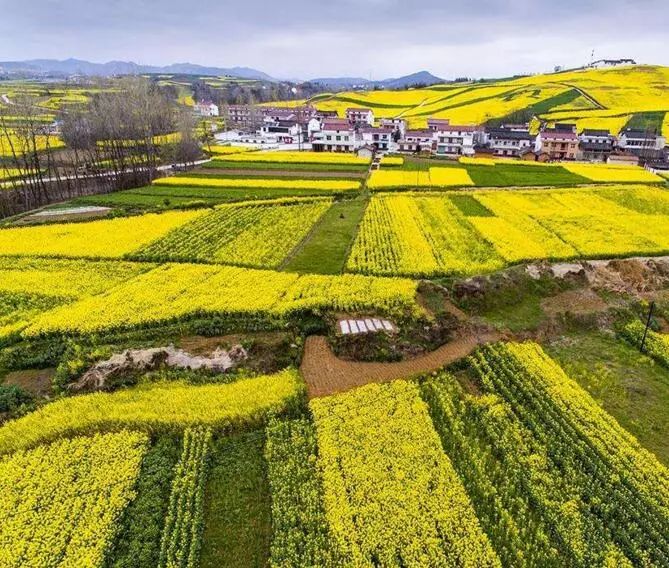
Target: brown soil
[(36, 381), (201, 345), (325, 374), (580, 301), (281, 173)]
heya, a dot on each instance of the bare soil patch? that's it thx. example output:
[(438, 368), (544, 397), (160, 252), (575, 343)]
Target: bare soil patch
[(35, 381), (579, 301)]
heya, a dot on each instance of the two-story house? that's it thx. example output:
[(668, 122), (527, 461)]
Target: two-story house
[(335, 135), (360, 116), (596, 145), (508, 142), (380, 137), (455, 140), (417, 141), (558, 144), (642, 143)]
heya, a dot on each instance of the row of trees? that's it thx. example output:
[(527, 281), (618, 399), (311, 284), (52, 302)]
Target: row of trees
[(116, 140)]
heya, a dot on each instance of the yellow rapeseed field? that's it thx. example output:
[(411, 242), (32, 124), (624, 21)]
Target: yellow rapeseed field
[(169, 405), (435, 177), (613, 173), (105, 238), (61, 503), (296, 158), (259, 183), (391, 494)]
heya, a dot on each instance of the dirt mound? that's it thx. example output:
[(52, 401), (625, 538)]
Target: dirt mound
[(132, 360)]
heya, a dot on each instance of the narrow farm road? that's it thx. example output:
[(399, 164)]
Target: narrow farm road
[(326, 374)]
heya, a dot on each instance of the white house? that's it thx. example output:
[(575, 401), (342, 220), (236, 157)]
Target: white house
[(380, 137), (508, 142), (397, 124), (642, 143), (454, 140), (206, 108), (417, 141), (360, 116), (335, 135)]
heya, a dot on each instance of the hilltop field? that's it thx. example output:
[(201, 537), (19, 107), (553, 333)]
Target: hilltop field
[(609, 99), (295, 359)]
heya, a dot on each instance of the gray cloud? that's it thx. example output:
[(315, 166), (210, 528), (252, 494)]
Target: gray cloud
[(303, 38)]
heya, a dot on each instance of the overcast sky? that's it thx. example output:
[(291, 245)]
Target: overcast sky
[(368, 38)]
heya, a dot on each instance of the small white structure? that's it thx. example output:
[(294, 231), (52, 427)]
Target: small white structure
[(206, 108), (367, 325)]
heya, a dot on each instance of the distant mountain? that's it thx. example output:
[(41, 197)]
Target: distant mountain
[(69, 67), (419, 78)]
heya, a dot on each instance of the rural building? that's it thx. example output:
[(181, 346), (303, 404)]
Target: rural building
[(397, 124), (603, 63), (336, 135), (508, 142), (417, 141), (558, 144), (360, 116), (206, 108), (435, 124), (454, 140), (596, 145), (379, 137), (642, 143)]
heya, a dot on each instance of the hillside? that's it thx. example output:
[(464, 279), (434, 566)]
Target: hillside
[(593, 98)]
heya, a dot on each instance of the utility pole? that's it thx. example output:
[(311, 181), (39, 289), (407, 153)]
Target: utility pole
[(645, 331)]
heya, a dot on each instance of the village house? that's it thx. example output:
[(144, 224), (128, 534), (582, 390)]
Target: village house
[(397, 124), (435, 124), (380, 137), (641, 143), (360, 116), (336, 135), (206, 108), (415, 141), (508, 142), (559, 144), (454, 140), (596, 145)]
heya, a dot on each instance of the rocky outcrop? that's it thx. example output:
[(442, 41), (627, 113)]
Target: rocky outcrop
[(139, 360)]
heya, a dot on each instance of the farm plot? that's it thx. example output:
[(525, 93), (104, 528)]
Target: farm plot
[(245, 234), (428, 234), (333, 185), (255, 299), (590, 494), (433, 178), (60, 503), (289, 158), (107, 238), (167, 406), (419, 235), (391, 495)]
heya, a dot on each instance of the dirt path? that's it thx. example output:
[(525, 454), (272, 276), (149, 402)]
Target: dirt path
[(325, 374)]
